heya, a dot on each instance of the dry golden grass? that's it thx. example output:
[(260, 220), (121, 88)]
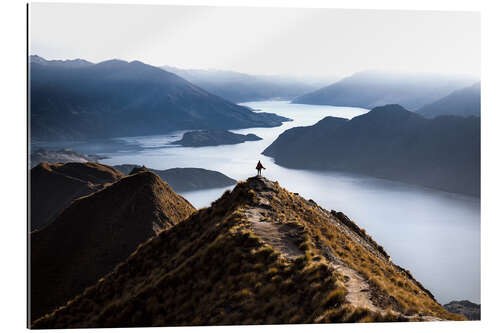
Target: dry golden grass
[(212, 269)]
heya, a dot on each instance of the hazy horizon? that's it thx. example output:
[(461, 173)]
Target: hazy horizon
[(260, 41)]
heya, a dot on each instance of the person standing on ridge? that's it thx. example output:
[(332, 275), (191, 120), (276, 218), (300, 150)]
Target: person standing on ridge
[(259, 167)]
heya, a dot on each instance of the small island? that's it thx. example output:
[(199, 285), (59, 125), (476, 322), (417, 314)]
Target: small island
[(214, 138)]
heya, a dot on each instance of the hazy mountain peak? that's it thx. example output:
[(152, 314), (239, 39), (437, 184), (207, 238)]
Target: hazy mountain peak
[(393, 108), (368, 89), (241, 87), (462, 102), (390, 111)]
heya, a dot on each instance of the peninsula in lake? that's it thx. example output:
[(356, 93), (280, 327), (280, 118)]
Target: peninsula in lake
[(214, 138), (389, 142)]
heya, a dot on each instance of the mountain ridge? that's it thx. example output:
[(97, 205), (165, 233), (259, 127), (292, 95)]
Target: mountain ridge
[(463, 102), (258, 255), (95, 233), (368, 89), (54, 186), (240, 87), (118, 98)]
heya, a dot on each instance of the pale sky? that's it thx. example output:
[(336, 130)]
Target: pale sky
[(313, 42)]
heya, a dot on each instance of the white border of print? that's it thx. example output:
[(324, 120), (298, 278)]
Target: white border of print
[(13, 166)]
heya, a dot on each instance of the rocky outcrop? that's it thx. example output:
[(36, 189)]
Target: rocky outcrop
[(469, 310)]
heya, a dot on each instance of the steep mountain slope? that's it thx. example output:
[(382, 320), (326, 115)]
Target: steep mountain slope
[(186, 179), (239, 87), (389, 142), (369, 89), (464, 102), (258, 255), (95, 233), (118, 98), (55, 185)]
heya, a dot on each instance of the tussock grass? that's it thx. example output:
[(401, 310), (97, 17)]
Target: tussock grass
[(212, 269)]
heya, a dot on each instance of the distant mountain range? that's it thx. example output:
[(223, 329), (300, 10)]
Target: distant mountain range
[(240, 87), (389, 142), (96, 233), (258, 255), (369, 89), (76, 99), (464, 102)]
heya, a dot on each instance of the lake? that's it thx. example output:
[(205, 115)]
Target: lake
[(434, 234)]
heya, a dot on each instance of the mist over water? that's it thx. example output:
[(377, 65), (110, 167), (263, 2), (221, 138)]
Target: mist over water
[(434, 234)]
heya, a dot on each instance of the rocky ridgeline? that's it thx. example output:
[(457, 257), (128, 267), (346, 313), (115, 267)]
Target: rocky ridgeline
[(258, 255)]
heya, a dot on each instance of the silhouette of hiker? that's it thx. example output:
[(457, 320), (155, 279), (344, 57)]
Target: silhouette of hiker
[(259, 167)]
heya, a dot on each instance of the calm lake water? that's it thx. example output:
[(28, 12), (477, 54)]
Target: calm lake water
[(434, 234)]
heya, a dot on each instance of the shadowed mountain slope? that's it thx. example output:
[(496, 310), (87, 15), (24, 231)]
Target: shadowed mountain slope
[(464, 102), (369, 89), (55, 185), (258, 255), (186, 179), (118, 98), (389, 142), (95, 233)]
